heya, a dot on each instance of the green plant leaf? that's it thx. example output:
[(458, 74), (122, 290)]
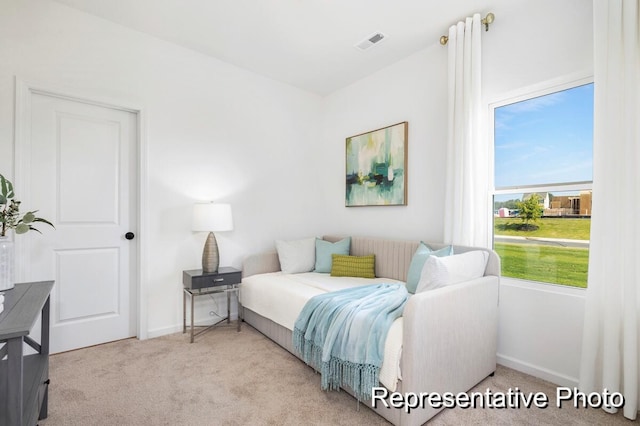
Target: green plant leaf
[(10, 214), (6, 189), (22, 228), (39, 219), (28, 217), (35, 229)]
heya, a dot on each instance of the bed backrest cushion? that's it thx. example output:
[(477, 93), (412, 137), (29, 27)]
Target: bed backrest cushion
[(393, 257)]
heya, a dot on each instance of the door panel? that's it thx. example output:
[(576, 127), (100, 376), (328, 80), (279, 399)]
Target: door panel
[(78, 301), (81, 175), (88, 200)]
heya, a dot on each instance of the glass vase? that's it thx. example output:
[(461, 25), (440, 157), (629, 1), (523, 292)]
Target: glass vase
[(6, 264)]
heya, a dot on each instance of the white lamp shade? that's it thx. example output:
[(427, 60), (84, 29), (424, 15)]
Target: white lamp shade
[(212, 217)]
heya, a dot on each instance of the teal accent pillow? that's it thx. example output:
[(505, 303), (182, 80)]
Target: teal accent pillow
[(417, 263), (324, 250)]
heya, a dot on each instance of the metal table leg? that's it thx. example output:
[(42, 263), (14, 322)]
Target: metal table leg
[(228, 305), (192, 297), (193, 294), (184, 311), (239, 308)]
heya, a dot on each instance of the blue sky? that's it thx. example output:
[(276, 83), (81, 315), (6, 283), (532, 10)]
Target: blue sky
[(544, 140)]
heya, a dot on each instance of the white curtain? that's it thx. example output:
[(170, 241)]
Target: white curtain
[(467, 206), (611, 338)]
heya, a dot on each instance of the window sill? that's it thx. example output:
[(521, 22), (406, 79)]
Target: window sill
[(543, 287)]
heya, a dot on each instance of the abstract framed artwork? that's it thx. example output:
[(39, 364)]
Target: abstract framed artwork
[(377, 167)]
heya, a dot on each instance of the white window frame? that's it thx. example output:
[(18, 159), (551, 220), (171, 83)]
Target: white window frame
[(526, 93)]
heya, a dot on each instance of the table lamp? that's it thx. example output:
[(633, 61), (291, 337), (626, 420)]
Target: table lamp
[(211, 217)]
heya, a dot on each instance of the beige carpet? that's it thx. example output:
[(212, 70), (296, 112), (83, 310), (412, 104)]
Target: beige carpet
[(230, 378)]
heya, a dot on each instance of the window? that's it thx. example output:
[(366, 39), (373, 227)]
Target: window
[(543, 147)]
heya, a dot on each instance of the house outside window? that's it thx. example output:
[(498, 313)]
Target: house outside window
[(543, 156)]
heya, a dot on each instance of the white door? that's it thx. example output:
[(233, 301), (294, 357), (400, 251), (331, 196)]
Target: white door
[(80, 174)]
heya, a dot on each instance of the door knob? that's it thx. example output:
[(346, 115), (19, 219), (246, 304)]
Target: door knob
[(129, 235)]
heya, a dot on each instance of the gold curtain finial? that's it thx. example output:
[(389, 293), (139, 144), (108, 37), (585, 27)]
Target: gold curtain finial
[(486, 21)]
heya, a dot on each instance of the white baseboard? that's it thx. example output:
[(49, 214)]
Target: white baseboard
[(157, 332), (536, 371)]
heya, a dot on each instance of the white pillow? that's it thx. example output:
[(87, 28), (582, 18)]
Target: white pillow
[(297, 256), (442, 271)]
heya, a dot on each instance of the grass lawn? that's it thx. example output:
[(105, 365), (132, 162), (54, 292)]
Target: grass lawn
[(575, 229), (551, 264), (558, 265)]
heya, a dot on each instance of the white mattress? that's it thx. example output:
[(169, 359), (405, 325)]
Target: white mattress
[(281, 297)]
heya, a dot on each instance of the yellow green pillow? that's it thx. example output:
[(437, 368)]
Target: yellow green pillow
[(353, 266)]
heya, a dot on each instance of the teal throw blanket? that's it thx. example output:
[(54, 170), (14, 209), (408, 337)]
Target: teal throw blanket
[(342, 334)]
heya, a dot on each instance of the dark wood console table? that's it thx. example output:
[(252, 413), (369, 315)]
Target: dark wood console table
[(24, 378)]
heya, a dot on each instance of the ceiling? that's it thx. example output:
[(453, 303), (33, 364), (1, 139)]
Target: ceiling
[(306, 43)]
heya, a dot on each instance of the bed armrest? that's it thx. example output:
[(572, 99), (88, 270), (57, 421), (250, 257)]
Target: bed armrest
[(260, 263), (450, 338)]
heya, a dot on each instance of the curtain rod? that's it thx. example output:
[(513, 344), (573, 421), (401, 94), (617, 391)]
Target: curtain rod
[(486, 21)]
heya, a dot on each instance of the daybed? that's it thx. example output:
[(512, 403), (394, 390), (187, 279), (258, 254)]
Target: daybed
[(448, 336)]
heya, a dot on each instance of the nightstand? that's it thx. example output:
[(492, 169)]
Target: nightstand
[(196, 283)]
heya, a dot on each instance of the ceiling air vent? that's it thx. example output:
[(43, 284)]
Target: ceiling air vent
[(370, 41)]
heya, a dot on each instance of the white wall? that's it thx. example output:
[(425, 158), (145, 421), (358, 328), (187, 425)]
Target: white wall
[(530, 42), (540, 330), (410, 90), (214, 132)]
